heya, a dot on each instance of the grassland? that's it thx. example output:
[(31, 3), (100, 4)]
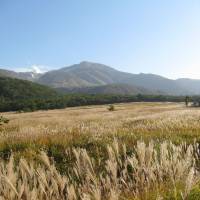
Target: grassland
[(138, 151)]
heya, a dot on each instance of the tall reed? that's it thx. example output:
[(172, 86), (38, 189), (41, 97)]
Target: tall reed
[(144, 170)]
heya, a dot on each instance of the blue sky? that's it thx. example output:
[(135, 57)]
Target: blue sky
[(150, 36)]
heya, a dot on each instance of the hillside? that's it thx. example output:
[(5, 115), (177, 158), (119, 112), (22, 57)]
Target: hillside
[(13, 89), (120, 89), (88, 74), (31, 76), (88, 77), (85, 74), (157, 83), (21, 95), (193, 85)]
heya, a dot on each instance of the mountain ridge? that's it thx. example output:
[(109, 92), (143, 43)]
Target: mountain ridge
[(90, 75), (30, 76)]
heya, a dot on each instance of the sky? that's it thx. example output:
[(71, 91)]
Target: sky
[(149, 36)]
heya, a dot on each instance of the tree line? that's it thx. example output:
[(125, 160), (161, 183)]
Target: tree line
[(71, 100)]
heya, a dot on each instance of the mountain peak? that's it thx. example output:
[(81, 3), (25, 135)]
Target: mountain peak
[(86, 63), (90, 64)]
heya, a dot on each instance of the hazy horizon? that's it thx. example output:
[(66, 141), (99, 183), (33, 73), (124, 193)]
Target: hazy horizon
[(137, 37)]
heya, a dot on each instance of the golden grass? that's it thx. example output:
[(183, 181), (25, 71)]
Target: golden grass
[(123, 154), (147, 173), (136, 119)]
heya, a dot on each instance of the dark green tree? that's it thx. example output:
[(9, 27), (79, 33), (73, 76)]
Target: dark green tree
[(187, 99)]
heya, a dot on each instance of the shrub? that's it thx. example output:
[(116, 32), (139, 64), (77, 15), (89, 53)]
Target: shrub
[(111, 108), (3, 120)]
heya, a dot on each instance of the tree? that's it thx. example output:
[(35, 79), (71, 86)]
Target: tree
[(187, 99)]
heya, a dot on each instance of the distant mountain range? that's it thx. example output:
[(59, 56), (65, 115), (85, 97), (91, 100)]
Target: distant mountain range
[(88, 77), (30, 76)]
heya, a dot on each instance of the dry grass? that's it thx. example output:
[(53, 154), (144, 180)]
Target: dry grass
[(140, 175), (146, 120), (136, 117), (124, 154)]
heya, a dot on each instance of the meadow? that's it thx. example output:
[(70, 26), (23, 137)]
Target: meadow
[(138, 151)]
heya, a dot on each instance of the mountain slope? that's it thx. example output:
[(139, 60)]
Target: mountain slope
[(31, 76), (121, 89), (87, 74), (13, 89), (157, 83), (193, 85)]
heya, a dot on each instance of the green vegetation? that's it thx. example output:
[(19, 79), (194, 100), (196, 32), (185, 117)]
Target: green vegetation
[(187, 99), (3, 120), (19, 95), (111, 108), (15, 89), (57, 102)]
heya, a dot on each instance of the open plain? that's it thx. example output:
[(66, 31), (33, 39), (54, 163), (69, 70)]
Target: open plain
[(137, 151)]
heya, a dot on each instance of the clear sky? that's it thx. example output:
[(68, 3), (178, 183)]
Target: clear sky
[(150, 36)]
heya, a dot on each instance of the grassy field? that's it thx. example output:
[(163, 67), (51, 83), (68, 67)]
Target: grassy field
[(138, 151)]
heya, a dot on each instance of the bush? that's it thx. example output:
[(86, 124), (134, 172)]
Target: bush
[(3, 120), (111, 108)]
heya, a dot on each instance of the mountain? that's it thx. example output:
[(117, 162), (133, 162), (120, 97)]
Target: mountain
[(157, 83), (121, 89), (13, 89), (85, 74), (94, 77), (88, 74), (31, 76), (193, 85)]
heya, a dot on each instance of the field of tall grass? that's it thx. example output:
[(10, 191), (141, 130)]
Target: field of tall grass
[(139, 151)]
